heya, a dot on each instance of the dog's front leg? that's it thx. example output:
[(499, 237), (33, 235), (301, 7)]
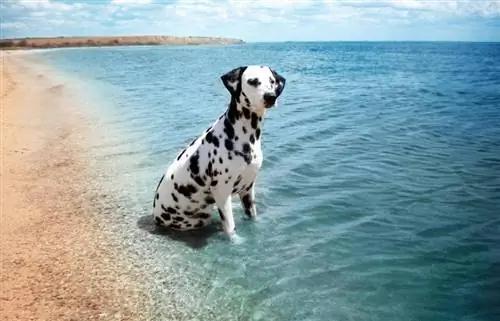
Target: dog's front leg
[(247, 199), (226, 214)]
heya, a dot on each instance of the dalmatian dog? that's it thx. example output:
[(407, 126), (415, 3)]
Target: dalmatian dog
[(223, 161)]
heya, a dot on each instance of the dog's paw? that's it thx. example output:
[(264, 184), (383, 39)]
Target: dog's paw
[(236, 239)]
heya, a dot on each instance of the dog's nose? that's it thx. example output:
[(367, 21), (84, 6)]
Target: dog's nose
[(270, 98)]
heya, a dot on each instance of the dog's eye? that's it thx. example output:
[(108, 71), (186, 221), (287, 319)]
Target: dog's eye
[(271, 80), (253, 82)]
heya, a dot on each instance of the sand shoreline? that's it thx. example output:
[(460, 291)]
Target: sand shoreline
[(55, 262)]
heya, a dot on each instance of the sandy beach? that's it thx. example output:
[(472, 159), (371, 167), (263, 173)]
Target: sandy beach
[(55, 262)]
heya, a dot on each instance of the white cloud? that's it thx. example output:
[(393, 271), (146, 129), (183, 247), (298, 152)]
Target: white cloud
[(48, 5), (128, 2), (242, 18), (12, 25)]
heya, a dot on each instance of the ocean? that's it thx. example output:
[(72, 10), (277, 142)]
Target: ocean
[(379, 194)]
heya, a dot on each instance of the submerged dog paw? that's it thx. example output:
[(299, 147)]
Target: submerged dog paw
[(237, 239)]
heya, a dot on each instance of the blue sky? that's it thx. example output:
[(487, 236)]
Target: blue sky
[(257, 20)]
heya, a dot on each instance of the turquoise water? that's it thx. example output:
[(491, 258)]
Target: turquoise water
[(379, 195)]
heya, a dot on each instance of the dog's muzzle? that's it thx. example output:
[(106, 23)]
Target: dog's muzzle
[(269, 99)]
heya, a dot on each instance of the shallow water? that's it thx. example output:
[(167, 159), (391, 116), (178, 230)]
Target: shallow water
[(379, 195)]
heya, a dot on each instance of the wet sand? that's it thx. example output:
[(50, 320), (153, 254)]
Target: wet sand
[(56, 263)]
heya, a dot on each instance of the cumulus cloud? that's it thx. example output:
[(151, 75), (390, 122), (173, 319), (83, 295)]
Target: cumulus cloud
[(279, 19), (130, 2)]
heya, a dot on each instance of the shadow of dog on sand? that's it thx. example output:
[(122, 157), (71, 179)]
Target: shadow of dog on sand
[(196, 239)]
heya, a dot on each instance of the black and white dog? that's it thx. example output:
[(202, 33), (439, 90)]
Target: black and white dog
[(224, 160)]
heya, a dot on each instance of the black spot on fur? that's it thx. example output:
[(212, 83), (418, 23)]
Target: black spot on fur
[(159, 221), (220, 160), (209, 155), (165, 216), (192, 143), (228, 144), (236, 138), (214, 183), (215, 152), (249, 187), (231, 112), (254, 121), (246, 113), (209, 170), (172, 176), (226, 182), (161, 180), (157, 186), (175, 198), (176, 226), (257, 133), (254, 82), (188, 213), (228, 129), (238, 180), (204, 215), (203, 142), (247, 102), (180, 155), (247, 203), (187, 190), (193, 164), (222, 217), (168, 209), (246, 156), (227, 170), (198, 180), (246, 148), (252, 139), (216, 142), (209, 200), (229, 156), (179, 218), (260, 118), (209, 137), (199, 224), (244, 129)]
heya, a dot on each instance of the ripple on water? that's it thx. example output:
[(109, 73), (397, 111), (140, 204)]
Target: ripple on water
[(378, 197)]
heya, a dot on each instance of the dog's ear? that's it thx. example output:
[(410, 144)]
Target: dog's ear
[(232, 79), (281, 81)]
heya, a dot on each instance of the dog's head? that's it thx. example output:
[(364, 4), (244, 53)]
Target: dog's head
[(256, 87)]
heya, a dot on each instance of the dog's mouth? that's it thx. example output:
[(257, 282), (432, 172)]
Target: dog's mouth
[(269, 103)]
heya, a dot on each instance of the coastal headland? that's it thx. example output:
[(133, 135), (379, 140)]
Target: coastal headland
[(101, 41)]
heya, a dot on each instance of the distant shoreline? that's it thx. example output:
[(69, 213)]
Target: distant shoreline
[(110, 41)]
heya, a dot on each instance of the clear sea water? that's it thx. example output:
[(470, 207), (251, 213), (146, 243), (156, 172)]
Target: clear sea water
[(379, 195)]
